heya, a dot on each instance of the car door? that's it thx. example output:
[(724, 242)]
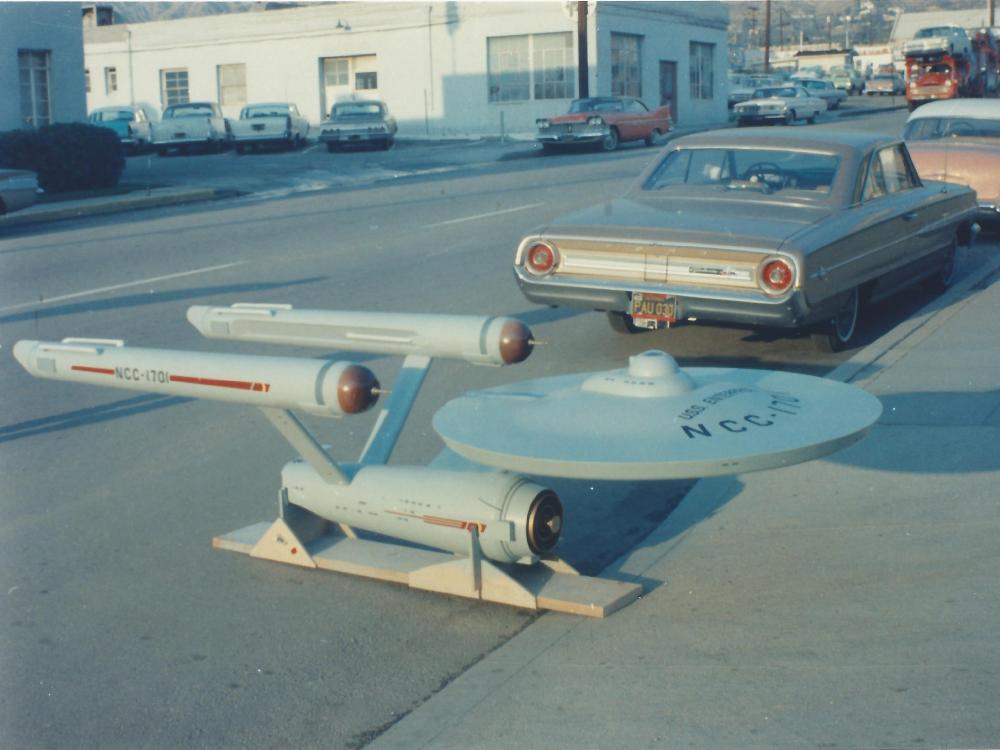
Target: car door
[(905, 216), (640, 119)]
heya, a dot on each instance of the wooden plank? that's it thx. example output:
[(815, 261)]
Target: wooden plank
[(397, 563)]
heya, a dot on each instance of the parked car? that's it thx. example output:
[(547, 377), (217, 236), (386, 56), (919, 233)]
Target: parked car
[(358, 122), (848, 79), (782, 104), (886, 83), (605, 121), (191, 124), (958, 140), (131, 122), (792, 230), (825, 90), (18, 189), (949, 40), (741, 88), (278, 124)]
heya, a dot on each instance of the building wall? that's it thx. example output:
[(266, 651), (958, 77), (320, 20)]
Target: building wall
[(55, 27), (431, 60)]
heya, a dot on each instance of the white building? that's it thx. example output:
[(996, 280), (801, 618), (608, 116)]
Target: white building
[(41, 65), (443, 68)]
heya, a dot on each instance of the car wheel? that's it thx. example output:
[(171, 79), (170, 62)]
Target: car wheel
[(812, 119), (240, 149), (942, 278), (610, 141), (622, 323), (331, 147), (789, 117), (840, 331), (161, 152), (653, 137)]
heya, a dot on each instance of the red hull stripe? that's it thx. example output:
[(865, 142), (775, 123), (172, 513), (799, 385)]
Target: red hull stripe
[(241, 385), (451, 523), (96, 370)]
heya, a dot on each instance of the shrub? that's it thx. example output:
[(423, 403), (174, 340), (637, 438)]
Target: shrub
[(67, 156)]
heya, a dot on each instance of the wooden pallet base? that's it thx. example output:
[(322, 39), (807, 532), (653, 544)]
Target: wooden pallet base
[(547, 585)]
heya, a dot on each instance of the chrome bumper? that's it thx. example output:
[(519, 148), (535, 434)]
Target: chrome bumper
[(788, 311)]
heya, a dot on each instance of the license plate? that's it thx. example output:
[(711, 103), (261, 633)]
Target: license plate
[(180, 135), (653, 310), (258, 126)]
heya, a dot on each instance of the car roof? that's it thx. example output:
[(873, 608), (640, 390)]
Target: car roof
[(839, 141), (975, 108), (267, 104)]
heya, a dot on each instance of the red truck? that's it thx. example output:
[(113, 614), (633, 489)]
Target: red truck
[(951, 73)]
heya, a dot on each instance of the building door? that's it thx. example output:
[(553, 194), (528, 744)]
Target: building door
[(347, 77), (668, 86)]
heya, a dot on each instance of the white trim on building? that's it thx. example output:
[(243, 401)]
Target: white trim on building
[(443, 68)]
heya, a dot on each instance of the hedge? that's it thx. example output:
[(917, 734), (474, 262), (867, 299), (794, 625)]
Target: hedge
[(68, 156)]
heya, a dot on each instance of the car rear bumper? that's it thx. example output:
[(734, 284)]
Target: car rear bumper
[(788, 311), (261, 138)]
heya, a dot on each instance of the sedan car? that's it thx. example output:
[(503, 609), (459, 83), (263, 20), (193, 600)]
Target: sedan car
[(18, 189), (131, 122), (958, 140), (191, 124), (278, 124), (847, 79), (793, 230), (779, 104), (358, 123), (884, 84), (825, 90), (604, 121)]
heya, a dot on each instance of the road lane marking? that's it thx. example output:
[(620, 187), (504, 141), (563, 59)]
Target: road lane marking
[(482, 216), (152, 280)]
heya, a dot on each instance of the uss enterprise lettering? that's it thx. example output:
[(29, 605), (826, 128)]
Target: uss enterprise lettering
[(780, 404)]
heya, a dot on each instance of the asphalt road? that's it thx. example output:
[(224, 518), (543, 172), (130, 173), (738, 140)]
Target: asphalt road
[(121, 627)]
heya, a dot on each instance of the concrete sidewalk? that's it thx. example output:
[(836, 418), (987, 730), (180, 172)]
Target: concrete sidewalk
[(852, 602)]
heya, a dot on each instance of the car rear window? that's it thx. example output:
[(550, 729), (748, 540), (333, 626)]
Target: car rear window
[(734, 169), (357, 109), (274, 110), (187, 110), (929, 128), (111, 116)]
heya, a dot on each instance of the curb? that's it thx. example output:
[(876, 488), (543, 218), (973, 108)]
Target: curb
[(118, 205)]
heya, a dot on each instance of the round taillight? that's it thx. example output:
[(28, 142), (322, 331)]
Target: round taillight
[(540, 258), (777, 275)]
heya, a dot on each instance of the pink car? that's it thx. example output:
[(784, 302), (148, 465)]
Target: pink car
[(605, 121), (958, 141)]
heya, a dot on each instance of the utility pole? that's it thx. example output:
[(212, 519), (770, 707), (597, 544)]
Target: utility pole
[(767, 36), (992, 7), (582, 66)]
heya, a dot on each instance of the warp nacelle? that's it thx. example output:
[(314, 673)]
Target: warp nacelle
[(516, 519), (324, 388), (480, 340)]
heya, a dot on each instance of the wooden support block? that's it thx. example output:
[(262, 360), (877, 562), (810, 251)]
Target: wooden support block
[(530, 587)]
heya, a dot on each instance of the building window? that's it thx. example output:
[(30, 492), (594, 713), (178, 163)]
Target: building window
[(517, 62), (110, 80), (626, 72), (509, 77), (174, 86), (336, 71), (552, 60), (86, 79), (34, 70), (366, 81), (233, 84), (702, 70)]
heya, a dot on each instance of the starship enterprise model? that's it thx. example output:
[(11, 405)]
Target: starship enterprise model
[(478, 521)]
